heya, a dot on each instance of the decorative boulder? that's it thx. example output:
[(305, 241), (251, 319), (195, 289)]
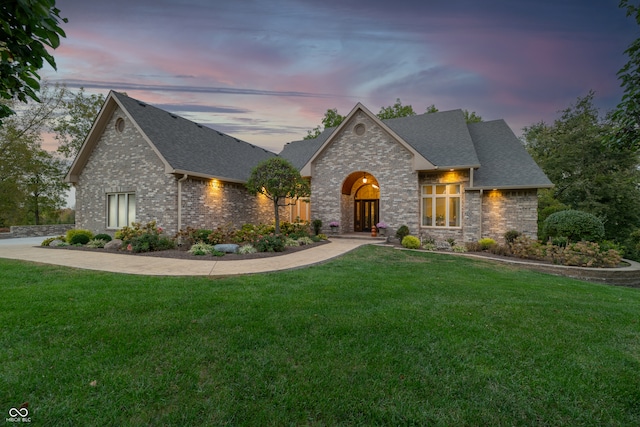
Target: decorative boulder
[(57, 242), (115, 244), (228, 248)]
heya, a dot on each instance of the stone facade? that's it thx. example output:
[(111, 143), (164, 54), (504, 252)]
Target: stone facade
[(504, 210), (124, 162), (379, 155), (36, 230), (212, 204)]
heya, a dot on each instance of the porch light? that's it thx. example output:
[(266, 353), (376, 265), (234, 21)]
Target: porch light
[(375, 186), (364, 178)]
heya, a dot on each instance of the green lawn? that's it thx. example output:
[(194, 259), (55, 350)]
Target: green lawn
[(377, 337)]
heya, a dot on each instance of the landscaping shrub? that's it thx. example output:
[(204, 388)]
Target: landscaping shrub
[(151, 242), (295, 229), (402, 232), (78, 236), (96, 243), (305, 241), (527, 248), (317, 226), (269, 243), (411, 242), (103, 236), (200, 234), (126, 234), (486, 243), (46, 242), (289, 242), (201, 248), (247, 249), (248, 233), (459, 248), (589, 254), (221, 235), (574, 225), (511, 235)]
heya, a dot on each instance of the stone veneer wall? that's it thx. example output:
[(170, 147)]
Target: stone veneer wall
[(124, 162), (504, 210), (379, 155), (36, 230), (207, 204)]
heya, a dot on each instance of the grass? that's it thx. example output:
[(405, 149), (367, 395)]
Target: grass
[(377, 337)]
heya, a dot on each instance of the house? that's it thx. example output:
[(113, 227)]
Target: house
[(434, 172)]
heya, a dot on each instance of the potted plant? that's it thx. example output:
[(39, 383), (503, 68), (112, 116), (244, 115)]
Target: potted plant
[(334, 226), (382, 228)]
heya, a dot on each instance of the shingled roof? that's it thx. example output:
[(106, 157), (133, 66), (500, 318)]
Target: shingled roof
[(447, 141), (190, 147), (504, 161)]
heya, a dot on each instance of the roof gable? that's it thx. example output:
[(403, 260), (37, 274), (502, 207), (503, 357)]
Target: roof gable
[(296, 153), (184, 146), (441, 137)]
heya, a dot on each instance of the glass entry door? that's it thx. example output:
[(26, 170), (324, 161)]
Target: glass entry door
[(365, 215)]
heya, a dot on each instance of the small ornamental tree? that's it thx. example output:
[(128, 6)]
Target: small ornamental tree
[(280, 181), (574, 225)]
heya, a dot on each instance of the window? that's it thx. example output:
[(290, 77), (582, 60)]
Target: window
[(121, 209), (441, 205), (300, 210)]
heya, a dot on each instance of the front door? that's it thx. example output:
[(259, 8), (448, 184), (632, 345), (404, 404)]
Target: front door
[(365, 215)]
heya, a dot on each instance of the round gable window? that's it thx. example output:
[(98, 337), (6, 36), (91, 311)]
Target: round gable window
[(120, 124), (359, 129)]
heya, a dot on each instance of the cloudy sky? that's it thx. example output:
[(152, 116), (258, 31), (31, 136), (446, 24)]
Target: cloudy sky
[(265, 71)]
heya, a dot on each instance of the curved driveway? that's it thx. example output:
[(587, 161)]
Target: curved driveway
[(27, 249)]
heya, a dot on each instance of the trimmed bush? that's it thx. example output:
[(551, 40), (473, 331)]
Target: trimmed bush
[(411, 242), (402, 232), (486, 243), (78, 236), (46, 242), (574, 225), (317, 226), (103, 236), (201, 248)]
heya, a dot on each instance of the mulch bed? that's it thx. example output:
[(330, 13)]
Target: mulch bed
[(180, 254)]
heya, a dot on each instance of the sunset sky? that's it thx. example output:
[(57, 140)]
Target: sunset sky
[(266, 71)]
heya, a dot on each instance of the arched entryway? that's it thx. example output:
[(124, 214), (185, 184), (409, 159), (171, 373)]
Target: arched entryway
[(363, 195)]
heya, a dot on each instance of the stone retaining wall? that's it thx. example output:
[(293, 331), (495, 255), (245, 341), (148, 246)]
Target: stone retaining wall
[(36, 230)]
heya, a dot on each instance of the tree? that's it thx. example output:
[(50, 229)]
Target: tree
[(331, 119), (396, 110), (31, 186), (279, 181), (471, 117), (73, 127), (589, 174), (26, 28), (626, 117)]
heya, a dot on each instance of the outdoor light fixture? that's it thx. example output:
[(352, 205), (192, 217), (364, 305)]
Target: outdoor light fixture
[(364, 178), (375, 186)]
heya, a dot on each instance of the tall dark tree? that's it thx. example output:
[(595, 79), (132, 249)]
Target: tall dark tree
[(589, 174), (27, 28), (626, 117), (279, 181)]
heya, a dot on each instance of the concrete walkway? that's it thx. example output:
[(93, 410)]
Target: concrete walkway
[(27, 249)]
